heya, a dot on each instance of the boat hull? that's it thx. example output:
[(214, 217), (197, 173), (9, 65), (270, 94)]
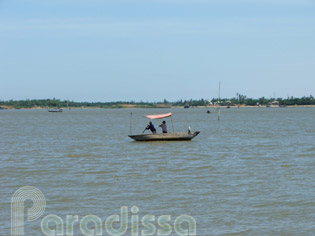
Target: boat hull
[(165, 137), (55, 110)]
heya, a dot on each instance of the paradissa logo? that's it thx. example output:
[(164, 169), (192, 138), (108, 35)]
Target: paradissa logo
[(90, 225)]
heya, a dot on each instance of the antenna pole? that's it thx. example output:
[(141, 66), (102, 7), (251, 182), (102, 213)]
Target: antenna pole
[(172, 124), (219, 101), (130, 123)]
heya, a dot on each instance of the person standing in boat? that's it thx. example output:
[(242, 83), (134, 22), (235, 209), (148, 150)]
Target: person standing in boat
[(151, 127), (164, 127)]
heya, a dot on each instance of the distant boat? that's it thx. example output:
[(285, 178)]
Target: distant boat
[(186, 106), (184, 136), (228, 104), (55, 110)]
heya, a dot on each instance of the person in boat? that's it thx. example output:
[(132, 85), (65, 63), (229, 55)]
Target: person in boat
[(164, 127), (151, 127)]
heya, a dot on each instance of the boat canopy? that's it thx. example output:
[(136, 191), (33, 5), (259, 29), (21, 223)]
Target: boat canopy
[(160, 116)]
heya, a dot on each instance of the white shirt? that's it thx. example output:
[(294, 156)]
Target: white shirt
[(164, 127)]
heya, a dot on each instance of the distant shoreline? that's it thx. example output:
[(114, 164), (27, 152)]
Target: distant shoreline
[(240, 100), (128, 106)]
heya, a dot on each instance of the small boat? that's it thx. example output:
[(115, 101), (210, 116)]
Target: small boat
[(183, 136), (55, 110)]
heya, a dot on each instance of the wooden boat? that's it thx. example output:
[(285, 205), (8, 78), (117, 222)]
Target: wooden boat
[(186, 136), (55, 110)]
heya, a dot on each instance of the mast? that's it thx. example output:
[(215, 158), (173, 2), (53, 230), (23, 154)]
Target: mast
[(130, 122), (219, 102), (172, 124)]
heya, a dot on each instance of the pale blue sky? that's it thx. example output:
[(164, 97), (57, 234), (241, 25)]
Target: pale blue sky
[(94, 50)]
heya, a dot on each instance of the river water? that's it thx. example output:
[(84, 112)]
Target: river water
[(251, 173)]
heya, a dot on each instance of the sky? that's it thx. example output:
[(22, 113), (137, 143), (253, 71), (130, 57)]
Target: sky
[(151, 50)]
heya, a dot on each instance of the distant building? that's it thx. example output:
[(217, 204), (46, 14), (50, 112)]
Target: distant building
[(273, 104)]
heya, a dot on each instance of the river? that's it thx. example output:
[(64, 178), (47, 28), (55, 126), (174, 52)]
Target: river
[(251, 173)]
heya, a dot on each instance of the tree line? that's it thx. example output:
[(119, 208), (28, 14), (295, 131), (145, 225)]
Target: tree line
[(238, 100), (243, 100), (33, 103)]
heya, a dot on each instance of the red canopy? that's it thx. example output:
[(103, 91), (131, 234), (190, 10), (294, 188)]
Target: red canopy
[(160, 116)]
